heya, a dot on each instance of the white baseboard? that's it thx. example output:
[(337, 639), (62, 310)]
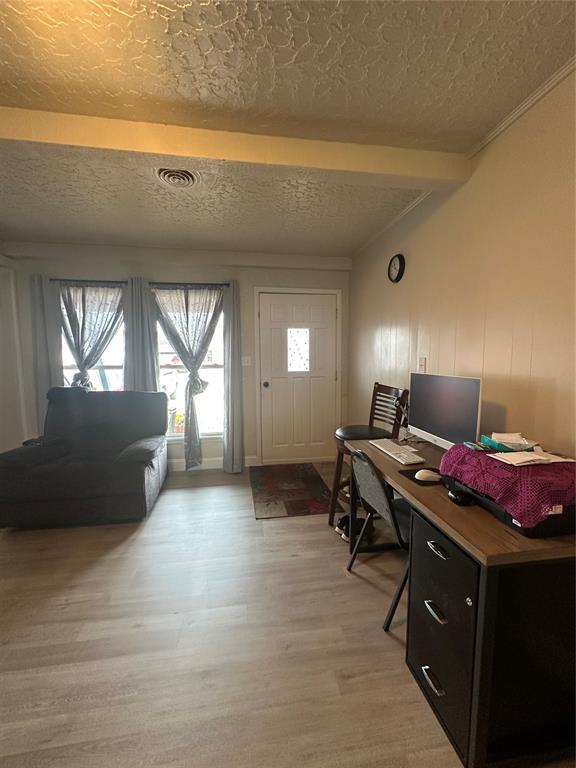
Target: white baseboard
[(178, 465)]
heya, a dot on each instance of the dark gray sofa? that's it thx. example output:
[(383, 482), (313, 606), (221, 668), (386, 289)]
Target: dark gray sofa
[(102, 459)]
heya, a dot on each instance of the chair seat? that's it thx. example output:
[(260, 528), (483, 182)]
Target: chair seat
[(403, 512), (361, 432)]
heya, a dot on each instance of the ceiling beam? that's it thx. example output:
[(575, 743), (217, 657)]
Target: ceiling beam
[(80, 256), (411, 168)]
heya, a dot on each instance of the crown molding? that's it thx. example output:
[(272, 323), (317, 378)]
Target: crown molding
[(6, 261), (404, 212), (527, 104)]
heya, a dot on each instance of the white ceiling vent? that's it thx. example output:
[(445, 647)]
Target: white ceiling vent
[(176, 177)]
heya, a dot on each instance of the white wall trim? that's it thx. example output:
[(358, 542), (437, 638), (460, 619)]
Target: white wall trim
[(178, 439), (410, 207), (337, 292), (527, 104), (517, 112), (9, 263), (179, 465)]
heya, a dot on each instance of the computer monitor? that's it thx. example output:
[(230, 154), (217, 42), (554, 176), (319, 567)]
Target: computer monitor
[(444, 409)]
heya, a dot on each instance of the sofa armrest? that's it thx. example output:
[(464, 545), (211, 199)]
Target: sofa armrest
[(142, 451)]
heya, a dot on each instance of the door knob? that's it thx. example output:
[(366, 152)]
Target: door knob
[(266, 384)]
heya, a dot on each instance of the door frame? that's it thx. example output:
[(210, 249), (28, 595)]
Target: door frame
[(337, 292)]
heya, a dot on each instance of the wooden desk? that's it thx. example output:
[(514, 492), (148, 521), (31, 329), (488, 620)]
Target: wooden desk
[(474, 529), (490, 636)]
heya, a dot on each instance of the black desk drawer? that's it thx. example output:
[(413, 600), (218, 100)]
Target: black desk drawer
[(441, 626)]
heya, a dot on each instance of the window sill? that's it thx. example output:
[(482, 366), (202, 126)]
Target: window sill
[(215, 437)]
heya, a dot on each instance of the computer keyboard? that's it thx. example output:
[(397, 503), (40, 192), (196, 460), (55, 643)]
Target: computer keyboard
[(398, 452)]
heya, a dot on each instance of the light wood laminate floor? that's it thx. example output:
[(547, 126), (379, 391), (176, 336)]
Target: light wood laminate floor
[(203, 638)]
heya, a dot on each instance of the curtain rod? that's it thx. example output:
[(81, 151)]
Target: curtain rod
[(188, 285), (80, 281)]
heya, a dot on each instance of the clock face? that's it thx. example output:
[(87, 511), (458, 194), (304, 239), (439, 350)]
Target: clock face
[(396, 268)]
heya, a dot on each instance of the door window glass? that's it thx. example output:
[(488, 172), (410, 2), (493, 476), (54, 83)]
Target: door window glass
[(298, 349)]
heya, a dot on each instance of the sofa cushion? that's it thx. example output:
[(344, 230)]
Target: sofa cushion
[(139, 414), (99, 441), (69, 478), (32, 455)]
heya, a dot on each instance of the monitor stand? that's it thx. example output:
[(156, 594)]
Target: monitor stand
[(410, 438)]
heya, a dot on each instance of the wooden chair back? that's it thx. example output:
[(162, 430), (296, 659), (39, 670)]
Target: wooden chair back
[(388, 407)]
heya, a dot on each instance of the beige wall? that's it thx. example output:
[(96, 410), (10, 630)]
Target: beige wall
[(489, 283), (117, 263)]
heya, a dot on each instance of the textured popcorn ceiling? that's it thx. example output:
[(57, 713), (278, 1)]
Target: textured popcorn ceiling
[(54, 193), (435, 74)]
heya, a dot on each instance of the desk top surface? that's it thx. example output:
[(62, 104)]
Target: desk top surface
[(475, 529)]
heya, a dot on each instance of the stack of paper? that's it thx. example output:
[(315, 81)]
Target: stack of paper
[(507, 437), (513, 440), (523, 458)]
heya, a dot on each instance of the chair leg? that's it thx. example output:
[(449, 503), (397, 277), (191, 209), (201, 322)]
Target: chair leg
[(353, 516), (335, 488), (359, 541), (395, 600)]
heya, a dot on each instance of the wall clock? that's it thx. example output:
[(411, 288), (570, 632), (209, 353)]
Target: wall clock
[(396, 268)]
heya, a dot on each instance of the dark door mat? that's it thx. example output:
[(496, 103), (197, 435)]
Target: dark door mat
[(288, 490)]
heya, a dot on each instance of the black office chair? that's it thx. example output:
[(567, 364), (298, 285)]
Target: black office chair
[(388, 410), (378, 499)]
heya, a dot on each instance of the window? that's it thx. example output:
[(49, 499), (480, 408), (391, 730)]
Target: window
[(108, 374), (298, 349), (173, 379)]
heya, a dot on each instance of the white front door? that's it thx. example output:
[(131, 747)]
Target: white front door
[(298, 376)]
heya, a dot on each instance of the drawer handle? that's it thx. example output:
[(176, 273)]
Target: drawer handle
[(435, 612), (437, 549), (432, 681)]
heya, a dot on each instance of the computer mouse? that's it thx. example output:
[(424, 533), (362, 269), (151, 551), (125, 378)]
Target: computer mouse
[(427, 476)]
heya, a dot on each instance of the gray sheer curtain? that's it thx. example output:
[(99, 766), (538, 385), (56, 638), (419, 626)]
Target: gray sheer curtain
[(188, 316), (233, 403), (47, 330), (91, 315), (141, 357)]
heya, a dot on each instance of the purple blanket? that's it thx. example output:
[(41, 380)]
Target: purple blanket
[(528, 493)]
